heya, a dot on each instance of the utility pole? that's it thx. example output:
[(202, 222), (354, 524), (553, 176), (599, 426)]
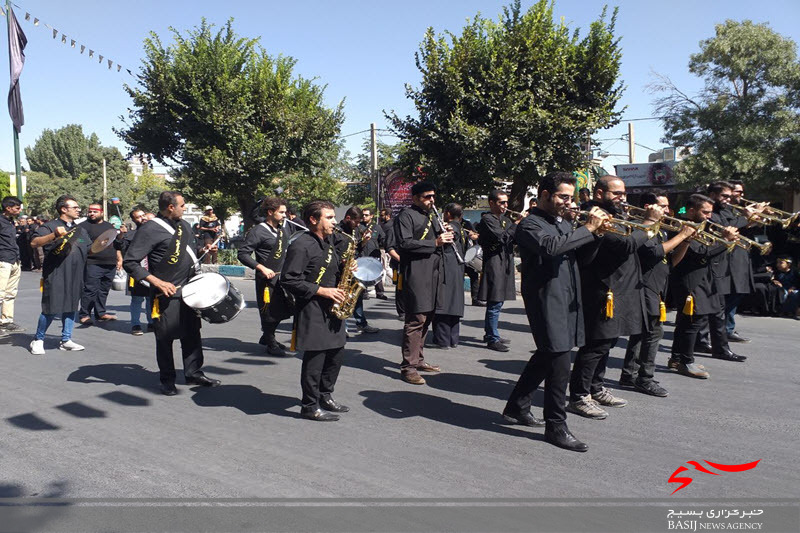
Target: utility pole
[(105, 190), (631, 145), (374, 179)]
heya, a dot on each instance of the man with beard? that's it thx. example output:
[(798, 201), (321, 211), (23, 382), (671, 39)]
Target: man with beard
[(351, 231), (168, 244), (551, 290), (496, 237), (613, 302), (372, 247), (66, 246), (696, 292), (420, 242), (310, 273), (268, 240), (740, 265), (139, 292), (100, 269)]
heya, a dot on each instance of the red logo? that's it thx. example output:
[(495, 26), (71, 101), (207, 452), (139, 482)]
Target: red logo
[(685, 481)]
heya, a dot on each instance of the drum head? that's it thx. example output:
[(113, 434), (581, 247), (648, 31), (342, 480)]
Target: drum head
[(474, 257), (369, 270), (103, 241), (204, 290)]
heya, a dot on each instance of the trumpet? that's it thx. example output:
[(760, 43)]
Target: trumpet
[(770, 215), (743, 242), (514, 214), (611, 225), (667, 223)]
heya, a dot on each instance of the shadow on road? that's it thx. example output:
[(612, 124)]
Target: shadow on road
[(408, 404), (471, 384), (247, 399), (130, 374), (510, 366)]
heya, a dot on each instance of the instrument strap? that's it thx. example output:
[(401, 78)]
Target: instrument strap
[(171, 231)]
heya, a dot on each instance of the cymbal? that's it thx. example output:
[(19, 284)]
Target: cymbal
[(103, 241)]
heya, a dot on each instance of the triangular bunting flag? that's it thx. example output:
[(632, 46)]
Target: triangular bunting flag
[(109, 64), (27, 16), (91, 53), (63, 38), (72, 43), (100, 60), (119, 67), (2, 11), (35, 21), (83, 47), (55, 33)]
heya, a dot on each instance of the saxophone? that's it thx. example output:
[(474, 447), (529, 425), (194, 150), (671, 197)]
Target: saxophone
[(348, 283)]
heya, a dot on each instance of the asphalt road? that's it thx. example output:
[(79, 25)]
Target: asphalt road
[(92, 424)]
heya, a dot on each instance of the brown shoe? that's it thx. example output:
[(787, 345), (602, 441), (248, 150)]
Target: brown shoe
[(427, 367), (85, 320), (108, 317), (414, 379)]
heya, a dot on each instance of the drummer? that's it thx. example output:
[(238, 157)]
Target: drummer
[(169, 244), (269, 240)]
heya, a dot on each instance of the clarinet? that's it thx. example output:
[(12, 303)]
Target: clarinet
[(441, 227)]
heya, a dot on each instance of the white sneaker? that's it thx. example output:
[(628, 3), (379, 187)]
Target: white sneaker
[(37, 347), (70, 346)]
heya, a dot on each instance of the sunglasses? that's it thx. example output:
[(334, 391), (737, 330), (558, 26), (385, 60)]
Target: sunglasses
[(427, 196)]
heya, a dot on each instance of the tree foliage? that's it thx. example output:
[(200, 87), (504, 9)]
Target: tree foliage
[(5, 184), (509, 101), (231, 117), (390, 156), (744, 124), (67, 161)]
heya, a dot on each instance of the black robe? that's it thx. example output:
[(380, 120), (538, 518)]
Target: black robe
[(134, 288), (694, 275), (312, 263), (372, 248), (738, 278), (269, 246), (169, 260), (655, 273), (551, 280), (64, 263), (496, 237), (420, 259), (450, 300), (614, 266)]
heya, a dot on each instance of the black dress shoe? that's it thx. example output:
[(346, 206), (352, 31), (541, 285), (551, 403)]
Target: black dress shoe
[(382, 297), (319, 415), (560, 436), (478, 303), (626, 382), (735, 337), (276, 349), (730, 356), (168, 389), (525, 419), (702, 347), (264, 340), (329, 404), (434, 346), (505, 341), (497, 347), (203, 381)]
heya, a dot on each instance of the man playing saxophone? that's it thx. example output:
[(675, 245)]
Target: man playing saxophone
[(310, 274)]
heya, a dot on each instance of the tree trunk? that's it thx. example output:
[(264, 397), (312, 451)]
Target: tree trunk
[(246, 205), (516, 200)]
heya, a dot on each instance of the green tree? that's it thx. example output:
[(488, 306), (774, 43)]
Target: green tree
[(5, 184), (744, 124), (230, 117), (509, 101), (390, 157), (67, 161)]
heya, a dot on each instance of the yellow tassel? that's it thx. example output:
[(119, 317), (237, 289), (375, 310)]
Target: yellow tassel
[(662, 312), (394, 276), (266, 298), (131, 281), (41, 285), (688, 307), (399, 282), (156, 313), (609, 305), (293, 344)]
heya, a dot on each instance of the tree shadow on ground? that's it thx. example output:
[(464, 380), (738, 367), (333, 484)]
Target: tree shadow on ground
[(471, 385), (408, 404)]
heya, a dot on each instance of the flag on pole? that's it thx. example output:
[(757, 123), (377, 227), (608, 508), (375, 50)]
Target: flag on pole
[(16, 59)]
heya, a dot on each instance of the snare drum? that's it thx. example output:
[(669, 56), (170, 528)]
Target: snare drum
[(474, 258), (213, 297)]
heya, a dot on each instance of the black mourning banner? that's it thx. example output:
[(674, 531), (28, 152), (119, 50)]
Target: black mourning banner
[(16, 60)]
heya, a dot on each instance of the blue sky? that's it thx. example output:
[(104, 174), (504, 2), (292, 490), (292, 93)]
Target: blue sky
[(363, 51)]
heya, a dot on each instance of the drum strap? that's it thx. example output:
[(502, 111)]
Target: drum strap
[(171, 231)]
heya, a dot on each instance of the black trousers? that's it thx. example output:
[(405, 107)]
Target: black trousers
[(473, 282), (686, 331), (715, 330), (640, 357), (553, 369), (318, 375), (379, 290), (590, 368), (446, 329), (191, 350), (96, 284)]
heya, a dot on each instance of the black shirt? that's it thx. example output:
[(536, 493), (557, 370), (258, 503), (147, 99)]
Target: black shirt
[(154, 242), (9, 249), (95, 229)]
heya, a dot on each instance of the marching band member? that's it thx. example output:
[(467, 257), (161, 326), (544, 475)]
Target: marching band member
[(450, 308), (168, 243), (310, 274), (551, 290), (268, 240), (372, 247), (496, 237), (422, 273), (350, 225)]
